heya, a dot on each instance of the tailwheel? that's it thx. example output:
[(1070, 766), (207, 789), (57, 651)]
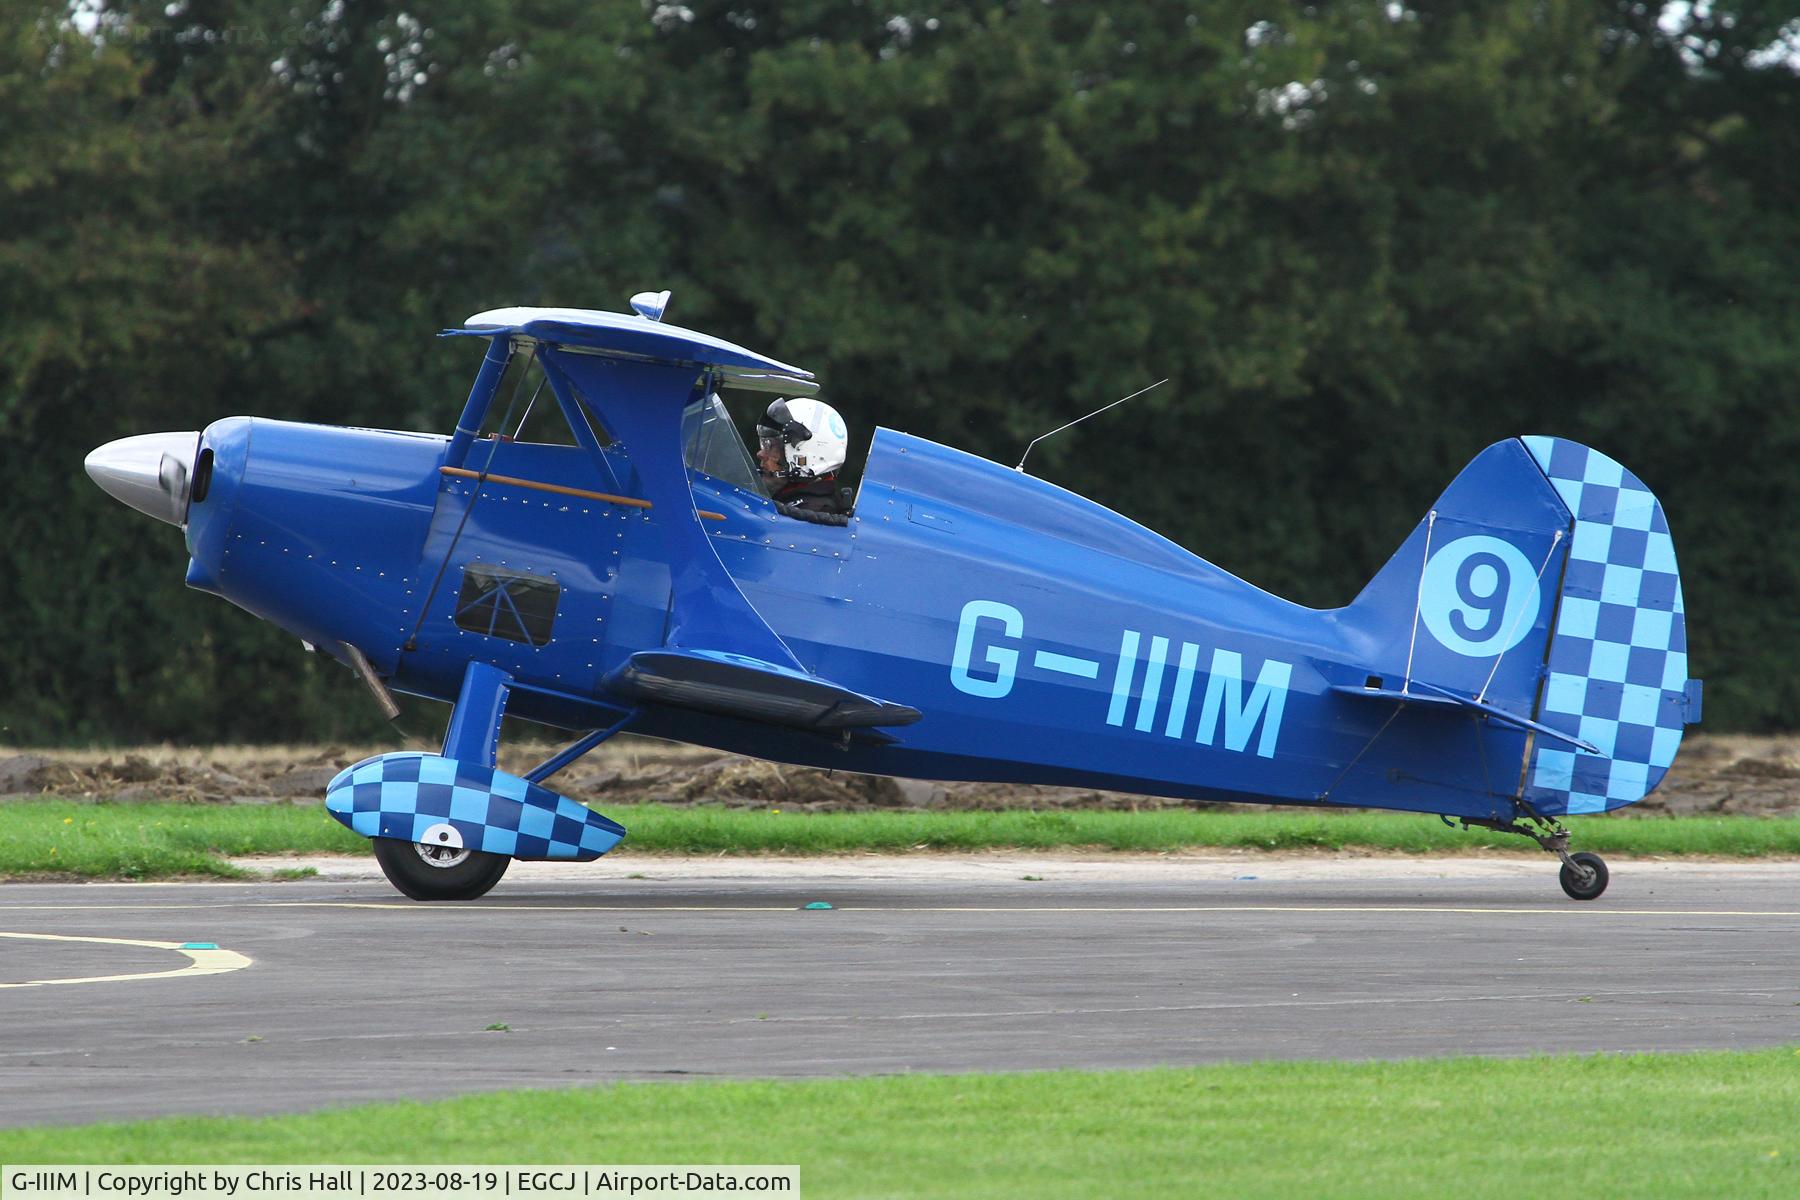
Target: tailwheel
[(426, 872), (1583, 875)]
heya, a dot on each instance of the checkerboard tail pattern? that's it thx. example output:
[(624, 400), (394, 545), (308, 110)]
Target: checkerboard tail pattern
[(440, 801), (1618, 670)]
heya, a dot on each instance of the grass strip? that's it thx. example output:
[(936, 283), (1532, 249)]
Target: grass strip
[(155, 841), (711, 831), (1713, 1124), (143, 841)]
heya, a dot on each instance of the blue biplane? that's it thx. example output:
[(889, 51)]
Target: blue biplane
[(1521, 657)]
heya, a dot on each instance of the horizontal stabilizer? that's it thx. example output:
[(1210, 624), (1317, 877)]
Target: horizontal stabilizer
[(1429, 696), (734, 685)]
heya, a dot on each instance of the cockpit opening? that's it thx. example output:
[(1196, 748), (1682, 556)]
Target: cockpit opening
[(801, 449)]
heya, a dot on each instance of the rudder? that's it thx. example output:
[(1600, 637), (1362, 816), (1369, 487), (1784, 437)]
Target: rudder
[(1617, 669)]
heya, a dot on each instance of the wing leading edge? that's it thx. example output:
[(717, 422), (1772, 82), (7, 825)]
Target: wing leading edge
[(629, 335)]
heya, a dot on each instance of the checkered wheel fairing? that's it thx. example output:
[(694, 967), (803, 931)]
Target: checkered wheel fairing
[(1617, 673), (434, 800)]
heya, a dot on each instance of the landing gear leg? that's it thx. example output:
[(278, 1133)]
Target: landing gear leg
[(1583, 877), (474, 731)]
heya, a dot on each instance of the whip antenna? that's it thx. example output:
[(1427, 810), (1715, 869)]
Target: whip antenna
[(1078, 420)]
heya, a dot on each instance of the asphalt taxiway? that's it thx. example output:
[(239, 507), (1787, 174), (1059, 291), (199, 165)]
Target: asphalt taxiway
[(121, 1000)]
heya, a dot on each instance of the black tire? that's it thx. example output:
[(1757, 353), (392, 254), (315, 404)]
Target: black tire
[(1588, 884), (464, 878)]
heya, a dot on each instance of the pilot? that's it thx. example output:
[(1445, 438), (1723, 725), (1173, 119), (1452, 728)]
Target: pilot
[(803, 444)]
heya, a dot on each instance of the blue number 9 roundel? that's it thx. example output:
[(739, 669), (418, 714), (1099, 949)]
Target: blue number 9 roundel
[(1479, 596)]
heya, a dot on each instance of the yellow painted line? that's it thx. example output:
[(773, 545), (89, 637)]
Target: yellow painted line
[(202, 962), (1571, 909)]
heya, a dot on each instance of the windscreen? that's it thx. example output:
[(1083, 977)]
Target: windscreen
[(713, 445)]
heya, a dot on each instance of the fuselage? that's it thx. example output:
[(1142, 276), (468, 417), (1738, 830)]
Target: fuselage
[(1045, 638)]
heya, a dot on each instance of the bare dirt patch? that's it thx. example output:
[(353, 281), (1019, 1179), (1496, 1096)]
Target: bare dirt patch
[(1727, 774)]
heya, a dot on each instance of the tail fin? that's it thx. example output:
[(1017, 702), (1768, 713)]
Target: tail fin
[(1543, 584)]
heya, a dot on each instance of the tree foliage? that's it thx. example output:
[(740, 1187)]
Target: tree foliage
[(1363, 240)]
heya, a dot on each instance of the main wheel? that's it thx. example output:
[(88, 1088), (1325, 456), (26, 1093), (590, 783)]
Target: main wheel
[(1586, 879), (438, 872)]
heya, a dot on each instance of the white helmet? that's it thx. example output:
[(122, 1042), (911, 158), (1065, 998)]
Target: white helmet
[(812, 435)]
